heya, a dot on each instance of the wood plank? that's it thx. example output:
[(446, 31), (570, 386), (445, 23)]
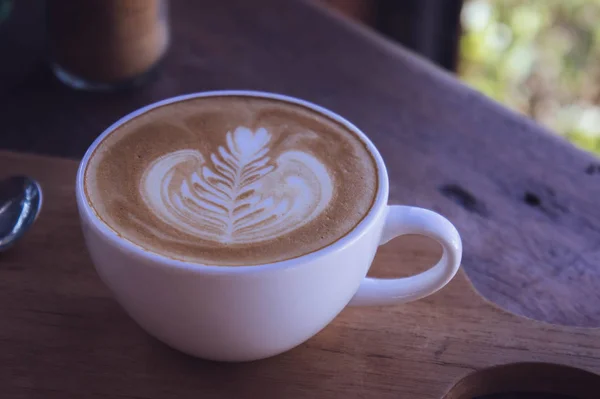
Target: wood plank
[(63, 336)]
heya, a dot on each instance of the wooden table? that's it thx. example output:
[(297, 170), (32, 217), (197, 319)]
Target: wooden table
[(524, 200)]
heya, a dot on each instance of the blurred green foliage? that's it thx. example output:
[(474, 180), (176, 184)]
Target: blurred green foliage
[(540, 58)]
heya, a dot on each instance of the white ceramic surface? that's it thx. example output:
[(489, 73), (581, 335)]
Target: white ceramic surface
[(241, 313)]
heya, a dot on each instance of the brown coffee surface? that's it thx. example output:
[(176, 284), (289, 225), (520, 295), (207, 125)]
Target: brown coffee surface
[(231, 180)]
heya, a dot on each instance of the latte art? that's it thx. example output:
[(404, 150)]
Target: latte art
[(231, 180), (244, 197)]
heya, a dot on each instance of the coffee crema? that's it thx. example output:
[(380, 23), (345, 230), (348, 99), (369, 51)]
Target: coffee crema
[(231, 180)]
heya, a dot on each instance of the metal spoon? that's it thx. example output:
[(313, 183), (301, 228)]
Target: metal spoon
[(20, 204)]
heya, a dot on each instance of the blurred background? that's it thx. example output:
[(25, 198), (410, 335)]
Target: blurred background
[(540, 58)]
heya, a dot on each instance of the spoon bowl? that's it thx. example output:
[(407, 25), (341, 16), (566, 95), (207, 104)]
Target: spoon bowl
[(20, 204)]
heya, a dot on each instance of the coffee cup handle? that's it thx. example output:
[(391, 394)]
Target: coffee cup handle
[(403, 220)]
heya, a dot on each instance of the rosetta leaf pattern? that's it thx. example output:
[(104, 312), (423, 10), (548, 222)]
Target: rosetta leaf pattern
[(229, 191), (242, 195)]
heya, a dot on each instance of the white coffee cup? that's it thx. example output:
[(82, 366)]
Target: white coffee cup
[(240, 313)]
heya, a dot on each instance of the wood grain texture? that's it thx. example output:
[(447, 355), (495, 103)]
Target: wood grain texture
[(524, 201), (63, 336)]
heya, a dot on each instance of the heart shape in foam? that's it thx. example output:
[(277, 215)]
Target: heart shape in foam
[(239, 194)]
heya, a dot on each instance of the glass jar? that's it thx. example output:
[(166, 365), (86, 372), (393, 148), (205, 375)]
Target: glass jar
[(106, 44)]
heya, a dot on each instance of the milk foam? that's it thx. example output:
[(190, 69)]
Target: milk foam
[(231, 180), (239, 194)]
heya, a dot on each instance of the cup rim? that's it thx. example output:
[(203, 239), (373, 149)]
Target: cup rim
[(379, 204)]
